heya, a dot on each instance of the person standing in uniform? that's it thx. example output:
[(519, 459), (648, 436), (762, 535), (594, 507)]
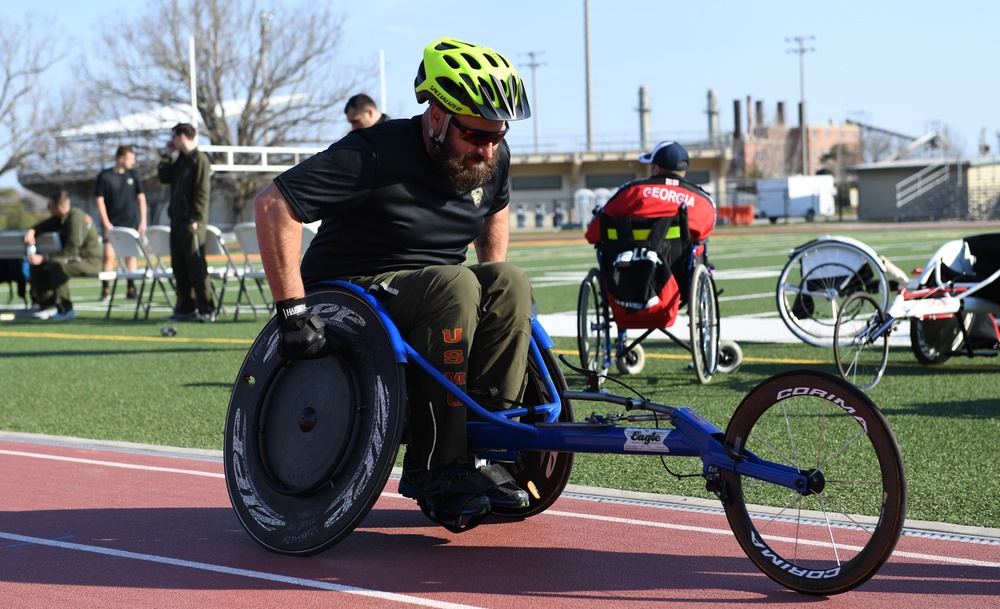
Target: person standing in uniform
[(120, 202), (80, 255), (188, 171), (401, 201)]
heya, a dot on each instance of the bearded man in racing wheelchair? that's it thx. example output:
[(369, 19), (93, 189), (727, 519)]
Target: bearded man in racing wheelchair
[(644, 262), (400, 202)]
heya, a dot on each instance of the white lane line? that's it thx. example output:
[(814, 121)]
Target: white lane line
[(273, 577), (646, 523), (150, 468)]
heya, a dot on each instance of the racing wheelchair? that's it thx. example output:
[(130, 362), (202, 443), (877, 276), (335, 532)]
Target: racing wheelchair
[(819, 276), (647, 268), (950, 309), (808, 471)]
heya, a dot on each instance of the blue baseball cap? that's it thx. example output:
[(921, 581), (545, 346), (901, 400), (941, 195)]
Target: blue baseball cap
[(668, 155)]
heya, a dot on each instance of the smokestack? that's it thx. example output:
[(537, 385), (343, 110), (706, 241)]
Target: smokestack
[(713, 117), (749, 116), (760, 113), (644, 118), (780, 118), (737, 120)]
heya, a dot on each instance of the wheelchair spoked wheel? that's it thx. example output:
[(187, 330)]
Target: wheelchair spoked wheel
[(837, 533), (933, 341), (703, 316), (544, 474), (815, 282), (860, 353), (310, 444), (592, 324)]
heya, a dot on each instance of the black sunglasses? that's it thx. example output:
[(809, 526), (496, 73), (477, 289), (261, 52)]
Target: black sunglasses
[(478, 137)]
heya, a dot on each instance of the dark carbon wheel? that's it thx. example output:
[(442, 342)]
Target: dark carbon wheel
[(836, 534), (310, 444)]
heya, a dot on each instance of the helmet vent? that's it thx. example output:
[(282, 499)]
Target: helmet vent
[(452, 62), (472, 61)]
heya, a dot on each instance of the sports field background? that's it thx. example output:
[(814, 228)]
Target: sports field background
[(122, 380)]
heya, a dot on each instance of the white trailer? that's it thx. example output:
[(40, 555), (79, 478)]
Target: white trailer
[(796, 197)]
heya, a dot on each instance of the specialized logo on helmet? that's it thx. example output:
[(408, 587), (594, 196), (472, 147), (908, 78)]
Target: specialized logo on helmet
[(444, 99)]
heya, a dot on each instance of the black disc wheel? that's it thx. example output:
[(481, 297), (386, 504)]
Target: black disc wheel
[(860, 341), (703, 317), (593, 324), (835, 533), (933, 341), (310, 444)]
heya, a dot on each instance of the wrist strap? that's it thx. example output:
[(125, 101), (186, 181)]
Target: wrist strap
[(291, 309)]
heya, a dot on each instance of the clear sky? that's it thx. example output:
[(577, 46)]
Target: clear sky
[(901, 66)]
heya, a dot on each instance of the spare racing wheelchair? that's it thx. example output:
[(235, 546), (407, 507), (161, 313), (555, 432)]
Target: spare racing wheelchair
[(310, 444), (647, 269), (950, 308)]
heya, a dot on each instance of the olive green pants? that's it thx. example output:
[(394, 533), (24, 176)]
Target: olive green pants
[(50, 280), (473, 323)]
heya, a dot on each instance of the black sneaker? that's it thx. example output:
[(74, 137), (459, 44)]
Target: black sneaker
[(208, 318), (130, 293), (448, 492), (176, 317), (505, 493)]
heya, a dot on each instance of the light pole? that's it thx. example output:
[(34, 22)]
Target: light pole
[(801, 50), (534, 90)]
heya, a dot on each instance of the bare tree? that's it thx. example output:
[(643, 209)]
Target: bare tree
[(263, 79), (28, 117)]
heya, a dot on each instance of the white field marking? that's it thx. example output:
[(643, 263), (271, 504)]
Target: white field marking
[(274, 577), (645, 523)]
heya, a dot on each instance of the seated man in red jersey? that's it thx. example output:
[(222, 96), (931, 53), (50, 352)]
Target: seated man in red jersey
[(645, 270)]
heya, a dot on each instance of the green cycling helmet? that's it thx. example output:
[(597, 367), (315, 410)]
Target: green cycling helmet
[(471, 80)]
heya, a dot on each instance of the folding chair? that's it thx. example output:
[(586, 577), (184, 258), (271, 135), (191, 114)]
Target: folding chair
[(246, 235), (215, 245), (158, 240), (128, 244)]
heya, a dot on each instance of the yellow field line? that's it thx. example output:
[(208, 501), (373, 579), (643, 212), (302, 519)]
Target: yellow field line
[(56, 335)]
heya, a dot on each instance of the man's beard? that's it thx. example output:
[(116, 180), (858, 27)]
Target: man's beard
[(467, 171)]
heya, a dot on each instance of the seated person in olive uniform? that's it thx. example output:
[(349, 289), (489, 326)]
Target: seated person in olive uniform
[(80, 255)]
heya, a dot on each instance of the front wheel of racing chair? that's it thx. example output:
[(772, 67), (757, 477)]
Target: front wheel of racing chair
[(860, 342), (309, 444)]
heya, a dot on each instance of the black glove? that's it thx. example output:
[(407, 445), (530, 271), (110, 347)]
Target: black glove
[(303, 334)]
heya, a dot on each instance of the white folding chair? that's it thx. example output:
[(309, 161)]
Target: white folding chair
[(308, 232), (158, 241), (215, 245), (246, 235), (128, 244)]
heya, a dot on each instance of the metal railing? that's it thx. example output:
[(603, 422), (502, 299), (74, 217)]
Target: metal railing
[(922, 182), (264, 159)]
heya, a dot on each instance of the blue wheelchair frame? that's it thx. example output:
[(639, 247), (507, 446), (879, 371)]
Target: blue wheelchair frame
[(498, 436)]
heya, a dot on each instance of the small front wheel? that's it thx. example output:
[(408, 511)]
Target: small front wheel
[(837, 533), (861, 340), (632, 361)]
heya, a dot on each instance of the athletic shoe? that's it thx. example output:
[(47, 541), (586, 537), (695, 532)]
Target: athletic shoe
[(45, 313), (208, 318), (68, 315), (449, 492), (176, 317), (130, 293), (506, 494), (105, 294)]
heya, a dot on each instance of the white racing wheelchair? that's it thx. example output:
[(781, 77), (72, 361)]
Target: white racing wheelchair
[(950, 309)]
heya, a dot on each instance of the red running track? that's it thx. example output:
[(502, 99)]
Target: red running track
[(88, 526)]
